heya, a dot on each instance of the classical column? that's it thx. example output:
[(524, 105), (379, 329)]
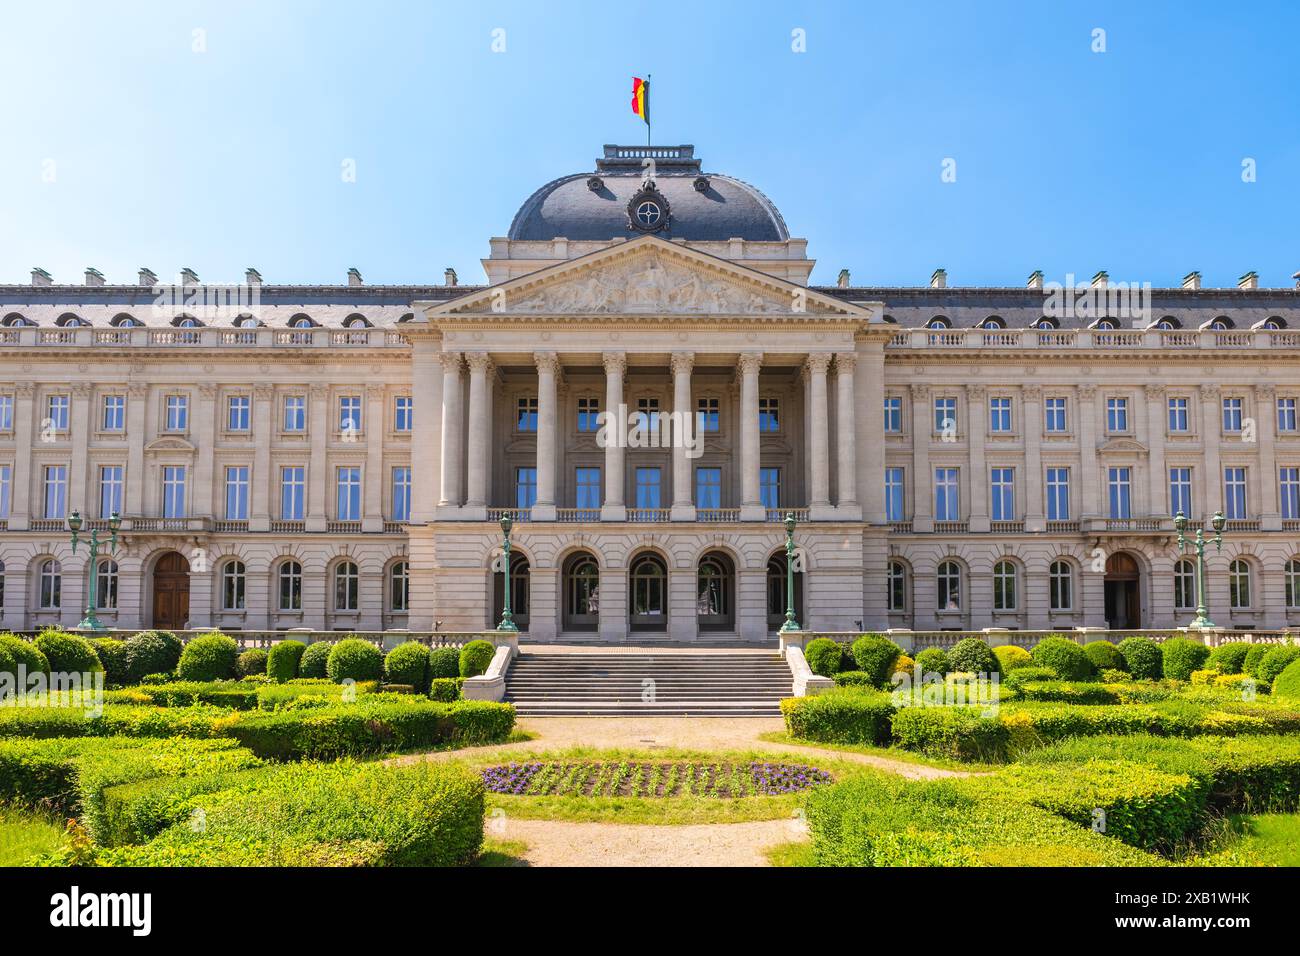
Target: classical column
[(548, 367), (426, 440), (846, 437), (614, 507), (204, 437), (137, 407), (317, 479), (20, 510), (1155, 442), (869, 389), (751, 503), (683, 504), (977, 422), (1266, 476), (922, 476), (1090, 479), (478, 452), (80, 437), (451, 429), (372, 510), (1031, 403), (1211, 437), (259, 517), (819, 506)]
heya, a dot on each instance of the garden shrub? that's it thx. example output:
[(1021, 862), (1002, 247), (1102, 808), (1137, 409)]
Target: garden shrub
[(1181, 656), (296, 692), (1287, 683), (445, 688), (955, 733), (138, 811), (972, 656), (315, 660), (354, 659), (124, 720), (152, 652), (444, 662), (1027, 675), (67, 653), (1011, 656), (233, 694), (1064, 656), (1230, 658), (904, 665), (1143, 657), (1067, 692), (408, 664), (1204, 678), (1278, 658), (252, 662), (25, 653), (840, 716), (1253, 657), (932, 660), (1111, 676), (475, 658), (112, 655), (208, 657), (824, 656), (854, 679), (9, 666), (283, 660), (876, 656), (1104, 656)]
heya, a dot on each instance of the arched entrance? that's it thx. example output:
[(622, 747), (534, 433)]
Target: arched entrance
[(519, 580), (171, 592), (1123, 600)]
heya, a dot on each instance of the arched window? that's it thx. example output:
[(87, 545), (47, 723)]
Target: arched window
[(16, 321), (399, 587), (1046, 324), (519, 592), (1221, 324), (939, 322), (1239, 584), (232, 586), (1106, 325), (1184, 585), (1060, 586), (1167, 324), (301, 322), (715, 593), (1004, 586), (69, 320), (51, 581), (1275, 323), (186, 322), (106, 584), (124, 321), (948, 586), (246, 322), (1292, 582), (649, 605), (581, 593), (993, 322), (776, 591), (897, 586), (346, 586), (290, 586), (356, 322)]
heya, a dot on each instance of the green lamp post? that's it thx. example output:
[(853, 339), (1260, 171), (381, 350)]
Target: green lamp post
[(90, 622), (1218, 522), (507, 618), (790, 623)]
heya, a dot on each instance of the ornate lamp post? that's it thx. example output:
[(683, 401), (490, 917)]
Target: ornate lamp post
[(790, 623), (1217, 523), (90, 622), (507, 618)]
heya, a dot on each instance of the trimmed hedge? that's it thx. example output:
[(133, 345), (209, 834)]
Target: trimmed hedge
[(208, 657), (112, 655), (854, 679), (823, 656), (475, 658), (1253, 657), (1230, 658), (315, 660), (1105, 656), (1287, 683), (875, 656), (932, 660), (308, 692), (1064, 656), (354, 659), (236, 695), (25, 653), (1068, 692), (1025, 675), (446, 689), (152, 652), (840, 716), (1143, 657), (252, 663), (444, 662), (955, 733), (1182, 656), (1278, 658), (1012, 656), (408, 664), (115, 720), (970, 655), (283, 660), (67, 653)]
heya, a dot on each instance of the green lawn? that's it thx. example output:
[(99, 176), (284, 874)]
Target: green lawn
[(1267, 839), (24, 835)]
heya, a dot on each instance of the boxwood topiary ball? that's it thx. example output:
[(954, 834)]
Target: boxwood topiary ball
[(1011, 656), (1287, 683), (1278, 659), (1104, 656), (208, 657), (354, 659), (24, 653), (152, 652), (1143, 657), (444, 663), (408, 664), (314, 660), (1182, 656), (1230, 658), (932, 660), (112, 654), (251, 662), (875, 656), (1253, 657), (283, 660), (1065, 657), (970, 655), (824, 656), (68, 653), (475, 658)]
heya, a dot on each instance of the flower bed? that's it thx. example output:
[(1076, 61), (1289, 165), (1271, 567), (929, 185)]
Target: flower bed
[(654, 780)]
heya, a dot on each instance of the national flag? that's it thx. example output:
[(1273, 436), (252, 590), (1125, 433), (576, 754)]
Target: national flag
[(641, 98)]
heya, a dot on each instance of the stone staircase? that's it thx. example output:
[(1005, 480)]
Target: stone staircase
[(648, 682)]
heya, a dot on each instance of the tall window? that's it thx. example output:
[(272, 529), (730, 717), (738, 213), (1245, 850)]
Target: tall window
[(894, 414), (173, 503), (6, 413), (947, 494), (114, 419), (526, 414), (1286, 415), (57, 409), (177, 413), (1178, 418), (403, 413), (1054, 414), (1234, 493), (236, 492), (56, 491), (1000, 414), (895, 502), (295, 413), (348, 485), (349, 413), (581, 593), (346, 586), (588, 413), (1292, 579), (948, 586), (897, 586), (1184, 584), (293, 492), (1116, 415), (709, 414), (399, 587), (769, 488), (587, 492), (1002, 484), (290, 580), (106, 584), (238, 413), (401, 493), (647, 413), (1289, 486), (647, 488), (1058, 494), (769, 414), (1060, 586), (708, 487), (1180, 491), (232, 586), (1004, 586), (1119, 483), (945, 414), (1239, 585), (1232, 414), (6, 492), (525, 487), (51, 582), (649, 603), (110, 489)]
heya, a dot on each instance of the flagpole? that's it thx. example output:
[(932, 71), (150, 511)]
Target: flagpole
[(647, 117)]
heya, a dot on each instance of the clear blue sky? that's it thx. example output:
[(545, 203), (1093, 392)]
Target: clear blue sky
[(1067, 160)]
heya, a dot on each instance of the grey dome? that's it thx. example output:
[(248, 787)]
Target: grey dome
[(569, 208)]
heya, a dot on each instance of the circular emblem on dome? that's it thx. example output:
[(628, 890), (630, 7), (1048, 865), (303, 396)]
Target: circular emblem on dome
[(595, 184), (647, 210)]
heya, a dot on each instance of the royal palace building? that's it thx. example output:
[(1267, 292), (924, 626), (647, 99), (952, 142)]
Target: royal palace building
[(646, 385)]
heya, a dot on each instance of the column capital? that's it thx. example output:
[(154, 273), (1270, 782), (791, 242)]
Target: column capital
[(818, 362), (318, 390), (1266, 392), (376, 390), (1087, 392), (920, 391), (478, 361), (1031, 393), (82, 389), (134, 390), (846, 362), (547, 362), (1209, 393), (682, 362), (750, 362), (208, 391), (614, 362), (263, 392), (976, 393), (25, 389), (451, 361), (1153, 390)]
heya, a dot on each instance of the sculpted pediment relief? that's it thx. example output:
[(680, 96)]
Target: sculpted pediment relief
[(1123, 446), (169, 443)]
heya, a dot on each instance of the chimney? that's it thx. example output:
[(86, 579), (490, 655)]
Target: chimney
[(938, 279), (147, 278), (449, 277), (843, 280), (1249, 281), (94, 276), (252, 276), (1035, 280), (41, 277), (1192, 280), (1296, 276), (354, 277), (189, 276), (1100, 279)]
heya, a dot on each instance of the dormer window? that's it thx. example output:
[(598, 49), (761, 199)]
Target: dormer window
[(246, 322), (1221, 324), (70, 321), (939, 322), (355, 322), (1274, 323), (993, 322), (1045, 324), (1167, 324), (16, 321), (186, 322), (301, 322), (1106, 325), (124, 321)]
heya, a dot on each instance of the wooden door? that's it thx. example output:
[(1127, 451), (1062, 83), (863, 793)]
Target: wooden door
[(171, 592)]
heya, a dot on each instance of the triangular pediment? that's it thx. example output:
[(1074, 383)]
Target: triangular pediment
[(649, 276)]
